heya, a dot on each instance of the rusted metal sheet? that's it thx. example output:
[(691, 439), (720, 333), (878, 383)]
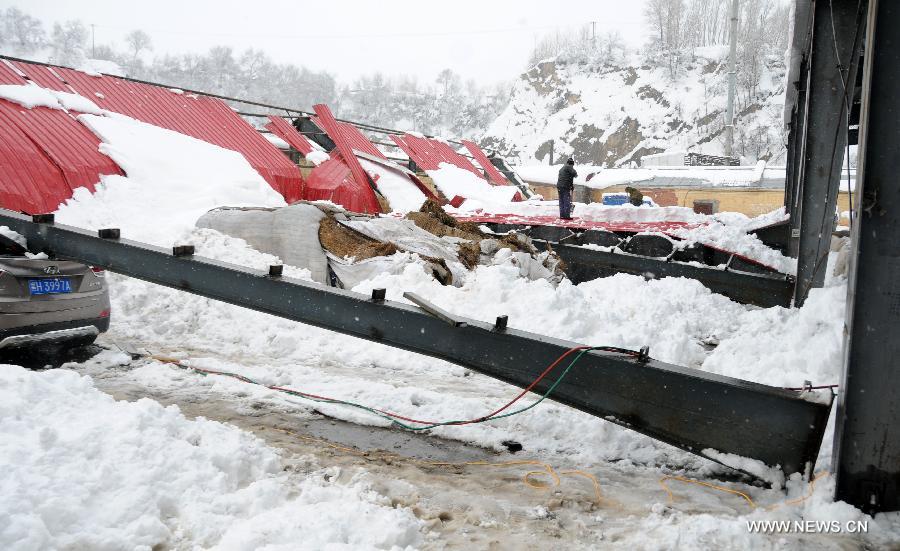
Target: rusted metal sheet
[(494, 175), (288, 133)]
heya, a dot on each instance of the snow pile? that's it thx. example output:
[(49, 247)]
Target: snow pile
[(30, 96), (397, 188), (733, 237), (172, 179), (317, 156), (452, 181), (276, 141), (82, 471), (13, 236), (97, 67)]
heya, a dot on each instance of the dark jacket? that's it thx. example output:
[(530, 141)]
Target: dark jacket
[(566, 178)]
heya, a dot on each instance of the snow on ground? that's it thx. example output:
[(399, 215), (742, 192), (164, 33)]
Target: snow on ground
[(678, 318), (83, 471)]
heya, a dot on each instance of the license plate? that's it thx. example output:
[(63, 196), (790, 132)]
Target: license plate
[(49, 286)]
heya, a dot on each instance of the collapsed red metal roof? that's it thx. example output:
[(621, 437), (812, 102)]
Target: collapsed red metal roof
[(201, 117), (494, 175), (45, 154), (288, 133)]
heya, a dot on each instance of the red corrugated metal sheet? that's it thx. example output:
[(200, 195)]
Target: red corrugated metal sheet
[(42, 76), (327, 122), (70, 146), (450, 155), (420, 151), (357, 140), (8, 75), (430, 153), (29, 181), (333, 181), (204, 118), (494, 175), (422, 162), (288, 133)]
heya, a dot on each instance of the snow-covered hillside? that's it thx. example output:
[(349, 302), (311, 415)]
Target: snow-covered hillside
[(616, 114)]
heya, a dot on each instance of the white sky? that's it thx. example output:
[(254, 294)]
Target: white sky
[(488, 40)]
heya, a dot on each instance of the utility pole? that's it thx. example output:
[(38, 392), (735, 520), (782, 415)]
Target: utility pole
[(732, 78), (93, 43), (594, 32)]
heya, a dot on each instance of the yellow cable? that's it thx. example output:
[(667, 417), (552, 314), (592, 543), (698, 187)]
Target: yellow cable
[(662, 482), (590, 477), (812, 488)]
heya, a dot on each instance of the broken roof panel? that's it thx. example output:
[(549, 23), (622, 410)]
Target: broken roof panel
[(494, 175), (333, 181), (354, 137), (288, 133)]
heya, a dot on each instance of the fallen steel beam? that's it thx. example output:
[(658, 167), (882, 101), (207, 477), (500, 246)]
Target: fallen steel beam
[(766, 290), (694, 410)]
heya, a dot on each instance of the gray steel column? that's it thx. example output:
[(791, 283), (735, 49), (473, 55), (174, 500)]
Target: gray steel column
[(795, 111), (832, 67), (867, 439)]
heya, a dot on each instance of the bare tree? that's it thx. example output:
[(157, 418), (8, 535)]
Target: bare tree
[(68, 42), (138, 41), (23, 32)]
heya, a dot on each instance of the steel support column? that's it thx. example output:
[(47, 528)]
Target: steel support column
[(836, 40), (867, 439), (697, 411), (795, 109)]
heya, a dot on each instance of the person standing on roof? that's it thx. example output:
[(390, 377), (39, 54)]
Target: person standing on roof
[(565, 184), (635, 197)]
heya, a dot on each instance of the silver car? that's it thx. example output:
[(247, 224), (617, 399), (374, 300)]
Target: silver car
[(49, 303)]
